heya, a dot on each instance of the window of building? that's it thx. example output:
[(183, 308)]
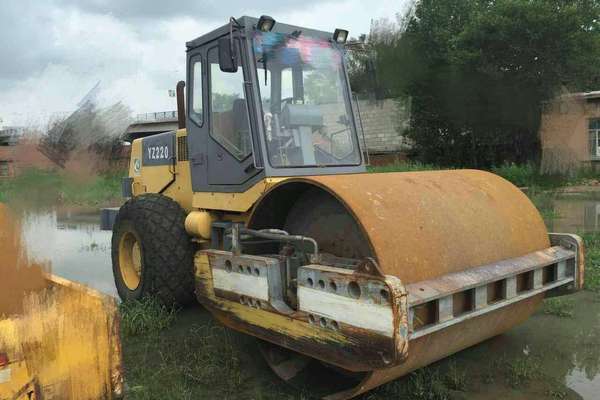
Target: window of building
[(4, 169), (594, 130), (229, 113)]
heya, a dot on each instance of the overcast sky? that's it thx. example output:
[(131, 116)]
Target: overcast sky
[(54, 51)]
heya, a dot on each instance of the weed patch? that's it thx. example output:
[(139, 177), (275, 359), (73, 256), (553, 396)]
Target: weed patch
[(145, 316), (559, 307), (215, 358), (195, 357), (423, 384), (455, 379), (592, 261), (521, 371)]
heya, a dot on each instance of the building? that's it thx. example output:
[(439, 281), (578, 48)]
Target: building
[(9, 137), (383, 124), (18, 153), (570, 132)]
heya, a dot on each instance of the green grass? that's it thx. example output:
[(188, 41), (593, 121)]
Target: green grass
[(522, 175), (521, 371), (528, 175), (406, 166), (592, 261), (145, 316), (194, 357), (423, 384), (559, 307), (456, 378), (41, 187)]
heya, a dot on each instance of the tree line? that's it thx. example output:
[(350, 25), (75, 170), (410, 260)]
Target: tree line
[(478, 72)]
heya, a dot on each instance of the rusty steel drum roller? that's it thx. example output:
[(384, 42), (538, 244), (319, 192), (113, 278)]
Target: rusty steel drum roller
[(419, 226)]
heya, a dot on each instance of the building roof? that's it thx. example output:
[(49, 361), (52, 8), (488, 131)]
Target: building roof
[(595, 94), (590, 95)]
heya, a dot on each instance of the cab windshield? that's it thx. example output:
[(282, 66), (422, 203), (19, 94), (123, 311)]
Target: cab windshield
[(305, 106)]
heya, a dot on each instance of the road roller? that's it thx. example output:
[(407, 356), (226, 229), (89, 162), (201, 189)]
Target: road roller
[(261, 208)]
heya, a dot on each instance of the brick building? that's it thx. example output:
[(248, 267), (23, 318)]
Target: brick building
[(570, 132), (18, 153)]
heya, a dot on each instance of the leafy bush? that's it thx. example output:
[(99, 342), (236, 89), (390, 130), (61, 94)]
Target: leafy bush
[(519, 175)]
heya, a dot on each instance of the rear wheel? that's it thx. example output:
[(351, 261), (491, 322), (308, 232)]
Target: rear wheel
[(152, 254)]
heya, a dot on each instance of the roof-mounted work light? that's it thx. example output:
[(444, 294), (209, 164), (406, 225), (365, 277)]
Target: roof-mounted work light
[(340, 36), (265, 23)]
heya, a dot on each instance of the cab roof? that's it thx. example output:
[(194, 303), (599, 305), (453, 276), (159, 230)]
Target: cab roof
[(249, 24)]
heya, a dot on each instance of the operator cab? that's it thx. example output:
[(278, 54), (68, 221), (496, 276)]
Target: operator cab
[(267, 99)]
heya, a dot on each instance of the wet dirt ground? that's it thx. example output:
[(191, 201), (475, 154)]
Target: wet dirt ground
[(546, 357)]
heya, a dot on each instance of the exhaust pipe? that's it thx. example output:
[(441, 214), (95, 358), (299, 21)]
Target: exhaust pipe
[(180, 89)]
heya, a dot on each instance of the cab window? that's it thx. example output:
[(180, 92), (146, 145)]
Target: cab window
[(197, 92), (228, 109)]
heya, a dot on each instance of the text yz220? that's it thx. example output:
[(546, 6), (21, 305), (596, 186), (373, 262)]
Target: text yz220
[(158, 152)]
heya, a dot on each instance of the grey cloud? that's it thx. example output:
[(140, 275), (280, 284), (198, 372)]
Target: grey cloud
[(27, 26), (160, 9), (26, 40), (52, 51)]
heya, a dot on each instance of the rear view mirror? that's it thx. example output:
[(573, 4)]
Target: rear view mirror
[(227, 56)]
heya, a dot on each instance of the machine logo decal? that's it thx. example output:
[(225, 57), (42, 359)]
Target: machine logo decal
[(137, 166)]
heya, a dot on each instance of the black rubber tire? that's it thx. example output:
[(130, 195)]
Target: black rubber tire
[(167, 250)]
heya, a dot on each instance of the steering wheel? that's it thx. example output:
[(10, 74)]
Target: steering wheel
[(286, 101)]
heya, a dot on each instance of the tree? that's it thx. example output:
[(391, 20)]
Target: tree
[(478, 73)]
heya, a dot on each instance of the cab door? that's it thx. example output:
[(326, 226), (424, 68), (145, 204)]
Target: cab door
[(230, 148), (219, 129)]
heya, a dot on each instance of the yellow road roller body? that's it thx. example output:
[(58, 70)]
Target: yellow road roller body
[(260, 207), (58, 339)]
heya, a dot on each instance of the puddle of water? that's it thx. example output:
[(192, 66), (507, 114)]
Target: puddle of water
[(588, 388), (74, 246), (575, 213), (563, 355)]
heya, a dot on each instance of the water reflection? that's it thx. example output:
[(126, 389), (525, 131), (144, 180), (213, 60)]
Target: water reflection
[(563, 355), (73, 244), (574, 213)]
